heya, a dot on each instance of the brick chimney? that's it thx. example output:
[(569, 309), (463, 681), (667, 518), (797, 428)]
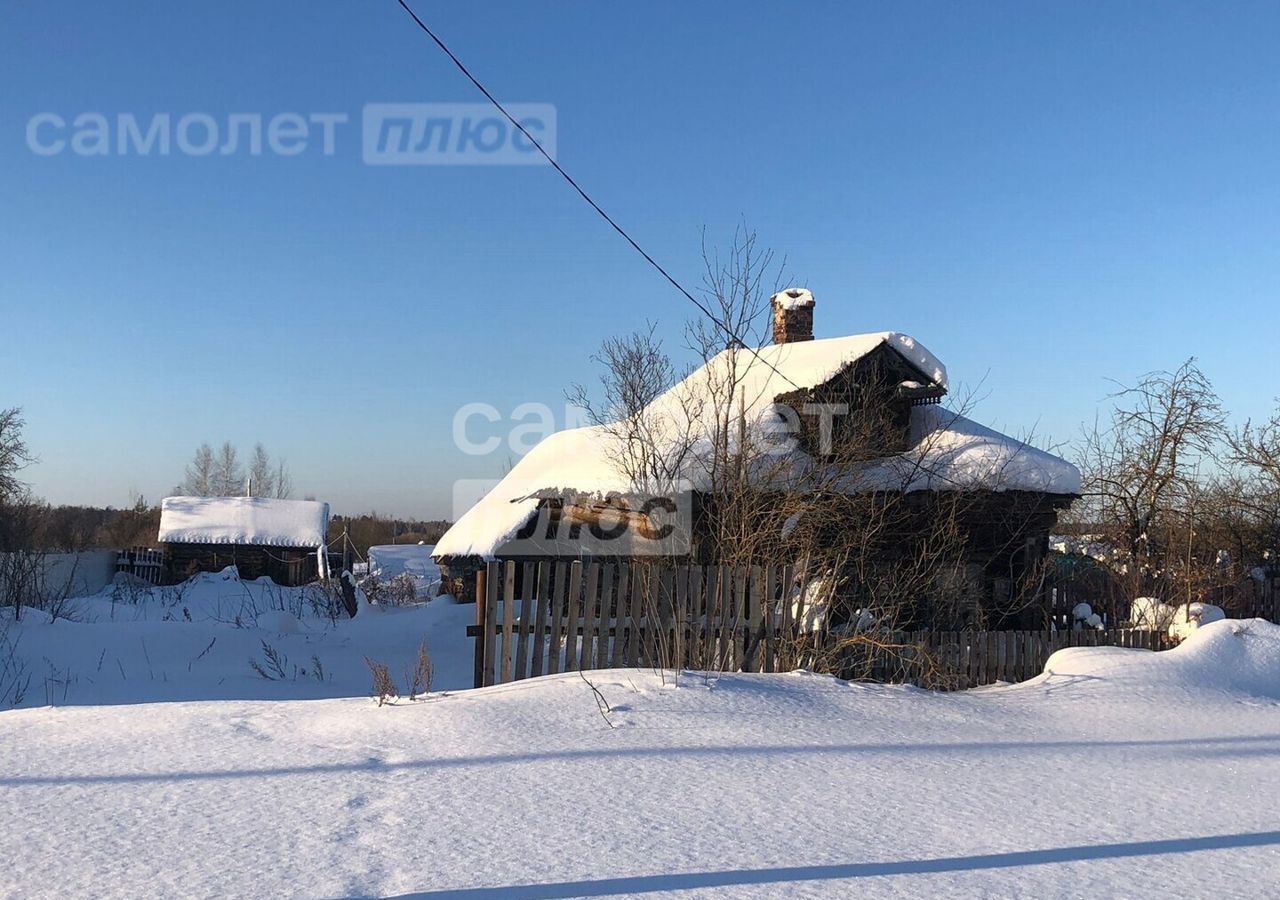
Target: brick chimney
[(792, 315)]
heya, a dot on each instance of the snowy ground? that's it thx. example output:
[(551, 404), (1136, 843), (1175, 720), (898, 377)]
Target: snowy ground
[(1118, 773), (133, 643), (387, 561)]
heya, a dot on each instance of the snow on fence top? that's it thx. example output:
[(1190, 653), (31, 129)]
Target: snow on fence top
[(950, 452), (244, 520)]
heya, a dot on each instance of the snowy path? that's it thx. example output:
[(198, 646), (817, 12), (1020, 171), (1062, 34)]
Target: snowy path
[(1124, 774)]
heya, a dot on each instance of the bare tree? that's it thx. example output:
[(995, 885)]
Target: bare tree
[(261, 475), (283, 481), (1142, 468), (228, 474), (14, 456), (200, 480), (635, 372), (25, 579), (1257, 449)]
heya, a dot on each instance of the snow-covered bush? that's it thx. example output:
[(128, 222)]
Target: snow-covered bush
[(1151, 614), (1085, 617), (400, 590), (1187, 618), (1179, 619), (325, 600)]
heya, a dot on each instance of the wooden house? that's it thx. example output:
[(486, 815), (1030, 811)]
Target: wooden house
[(914, 449), (284, 540)]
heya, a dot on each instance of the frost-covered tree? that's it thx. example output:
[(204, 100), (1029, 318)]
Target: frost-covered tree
[(221, 474), (228, 474), (199, 480), (262, 477)]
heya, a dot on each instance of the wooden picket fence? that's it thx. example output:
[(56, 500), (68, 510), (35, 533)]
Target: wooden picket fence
[(142, 562), (547, 617), (965, 659)]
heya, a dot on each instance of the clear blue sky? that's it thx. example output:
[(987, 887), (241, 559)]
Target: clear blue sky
[(1046, 195)]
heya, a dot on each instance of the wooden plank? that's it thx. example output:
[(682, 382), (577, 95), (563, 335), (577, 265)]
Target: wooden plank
[(524, 629), (508, 613), (618, 655), (738, 619), (711, 606), (767, 618), (478, 674), (975, 658), (650, 640), (724, 620), (993, 669), (559, 584), (634, 603), (542, 603), (586, 658), (667, 616), (680, 617), (693, 650), (755, 623), (604, 624), (492, 586), (575, 610), (785, 662)]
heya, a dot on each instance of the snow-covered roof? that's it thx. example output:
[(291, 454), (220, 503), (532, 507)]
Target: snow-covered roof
[(951, 452), (243, 520)]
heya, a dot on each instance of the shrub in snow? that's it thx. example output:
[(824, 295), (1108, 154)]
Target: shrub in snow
[(1081, 612), (419, 677), (325, 600), (1094, 621), (275, 665), (127, 588), (383, 687), (401, 590)]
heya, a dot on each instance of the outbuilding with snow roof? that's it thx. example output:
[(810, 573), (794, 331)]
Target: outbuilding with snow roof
[(284, 540)]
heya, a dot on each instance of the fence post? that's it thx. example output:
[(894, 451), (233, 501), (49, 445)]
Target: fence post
[(480, 626), (525, 628), (508, 608), (540, 619), (490, 620), (587, 649)]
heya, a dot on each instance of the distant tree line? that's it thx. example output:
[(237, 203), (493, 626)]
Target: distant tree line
[(222, 474), (371, 529)]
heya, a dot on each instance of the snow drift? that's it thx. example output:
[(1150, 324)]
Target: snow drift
[(1239, 656)]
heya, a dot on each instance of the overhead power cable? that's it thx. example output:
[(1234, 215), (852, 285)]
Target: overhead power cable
[(723, 326)]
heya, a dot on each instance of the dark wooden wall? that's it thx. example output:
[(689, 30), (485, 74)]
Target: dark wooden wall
[(288, 566)]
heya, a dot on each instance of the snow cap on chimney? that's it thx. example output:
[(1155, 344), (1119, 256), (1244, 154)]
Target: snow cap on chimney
[(792, 315)]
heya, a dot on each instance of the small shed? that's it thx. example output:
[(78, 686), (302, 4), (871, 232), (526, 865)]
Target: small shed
[(282, 539)]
